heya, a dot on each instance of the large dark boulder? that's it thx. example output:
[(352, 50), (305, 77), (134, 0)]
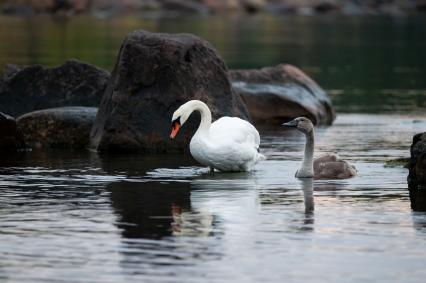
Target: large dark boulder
[(9, 70), (11, 138), (417, 173), (281, 93), (28, 88), (155, 74), (64, 127)]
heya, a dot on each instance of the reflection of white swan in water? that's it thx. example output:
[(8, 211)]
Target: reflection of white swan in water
[(228, 144), (307, 186), (328, 166), (229, 201)]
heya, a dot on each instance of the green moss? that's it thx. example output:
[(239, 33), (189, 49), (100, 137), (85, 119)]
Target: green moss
[(399, 162)]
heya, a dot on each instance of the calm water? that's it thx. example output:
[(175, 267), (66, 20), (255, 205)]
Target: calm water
[(368, 64), (89, 218), (81, 217)]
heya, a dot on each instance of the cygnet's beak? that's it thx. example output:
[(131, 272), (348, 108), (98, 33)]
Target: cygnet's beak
[(175, 129), (291, 124)]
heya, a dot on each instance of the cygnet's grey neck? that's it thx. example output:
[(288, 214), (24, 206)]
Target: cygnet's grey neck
[(307, 168)]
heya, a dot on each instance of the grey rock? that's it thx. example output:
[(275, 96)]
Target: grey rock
[(281, 93), (155, 74), (421, 5), (29, 88), (64, 127)]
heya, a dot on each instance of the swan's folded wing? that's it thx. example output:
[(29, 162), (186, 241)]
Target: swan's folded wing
[(233, 129), (233, 155)]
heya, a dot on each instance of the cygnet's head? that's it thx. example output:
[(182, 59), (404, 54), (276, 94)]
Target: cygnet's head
[(179, 118), (300, 123)]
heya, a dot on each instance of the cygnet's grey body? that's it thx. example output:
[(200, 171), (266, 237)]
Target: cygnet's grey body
[(328, 166)]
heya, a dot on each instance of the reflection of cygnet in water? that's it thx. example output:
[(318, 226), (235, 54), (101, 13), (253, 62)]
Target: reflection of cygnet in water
[(307, 186), (328, 166)]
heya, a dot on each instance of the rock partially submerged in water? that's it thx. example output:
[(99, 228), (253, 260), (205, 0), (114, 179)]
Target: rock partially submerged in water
[(417, 173), (398, 162), (64, 127), (29, 88), (11, 138), (281, 93), (155, 74)]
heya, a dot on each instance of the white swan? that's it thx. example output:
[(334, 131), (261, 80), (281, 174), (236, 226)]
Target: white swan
[(228, 144), (328, 166)]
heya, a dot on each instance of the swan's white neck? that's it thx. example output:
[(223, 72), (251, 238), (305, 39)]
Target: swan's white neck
[(206, 116), (307, 168)]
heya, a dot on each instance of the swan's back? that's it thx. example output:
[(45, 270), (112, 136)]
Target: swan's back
[(233, 129), (330, 166)]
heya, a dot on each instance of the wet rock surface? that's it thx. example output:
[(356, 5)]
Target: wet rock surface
[(64, 127), (11, 138), (277, 94), (28, 88), (417, 173), (155, 74)]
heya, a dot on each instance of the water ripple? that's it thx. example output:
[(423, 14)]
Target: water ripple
[(167, 219)]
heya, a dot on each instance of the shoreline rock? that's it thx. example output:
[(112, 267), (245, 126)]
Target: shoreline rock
[(205, 7), (417, 173), (156, 73), (277, 94), (24, 89), (63, 127)]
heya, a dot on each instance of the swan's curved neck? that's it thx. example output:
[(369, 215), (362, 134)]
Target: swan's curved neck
[(206, 116), (308, 158)]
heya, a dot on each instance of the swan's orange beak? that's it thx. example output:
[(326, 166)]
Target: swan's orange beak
[(175, 129)]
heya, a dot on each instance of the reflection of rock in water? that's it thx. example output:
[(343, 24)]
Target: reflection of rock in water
[(148, 210), (419, 221), (139, 165), (53, 159)]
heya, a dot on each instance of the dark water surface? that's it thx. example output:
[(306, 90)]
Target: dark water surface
[(368, 64), (82, 217)]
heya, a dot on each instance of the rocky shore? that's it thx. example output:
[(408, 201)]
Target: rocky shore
[(300, 7), (78, 105)]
